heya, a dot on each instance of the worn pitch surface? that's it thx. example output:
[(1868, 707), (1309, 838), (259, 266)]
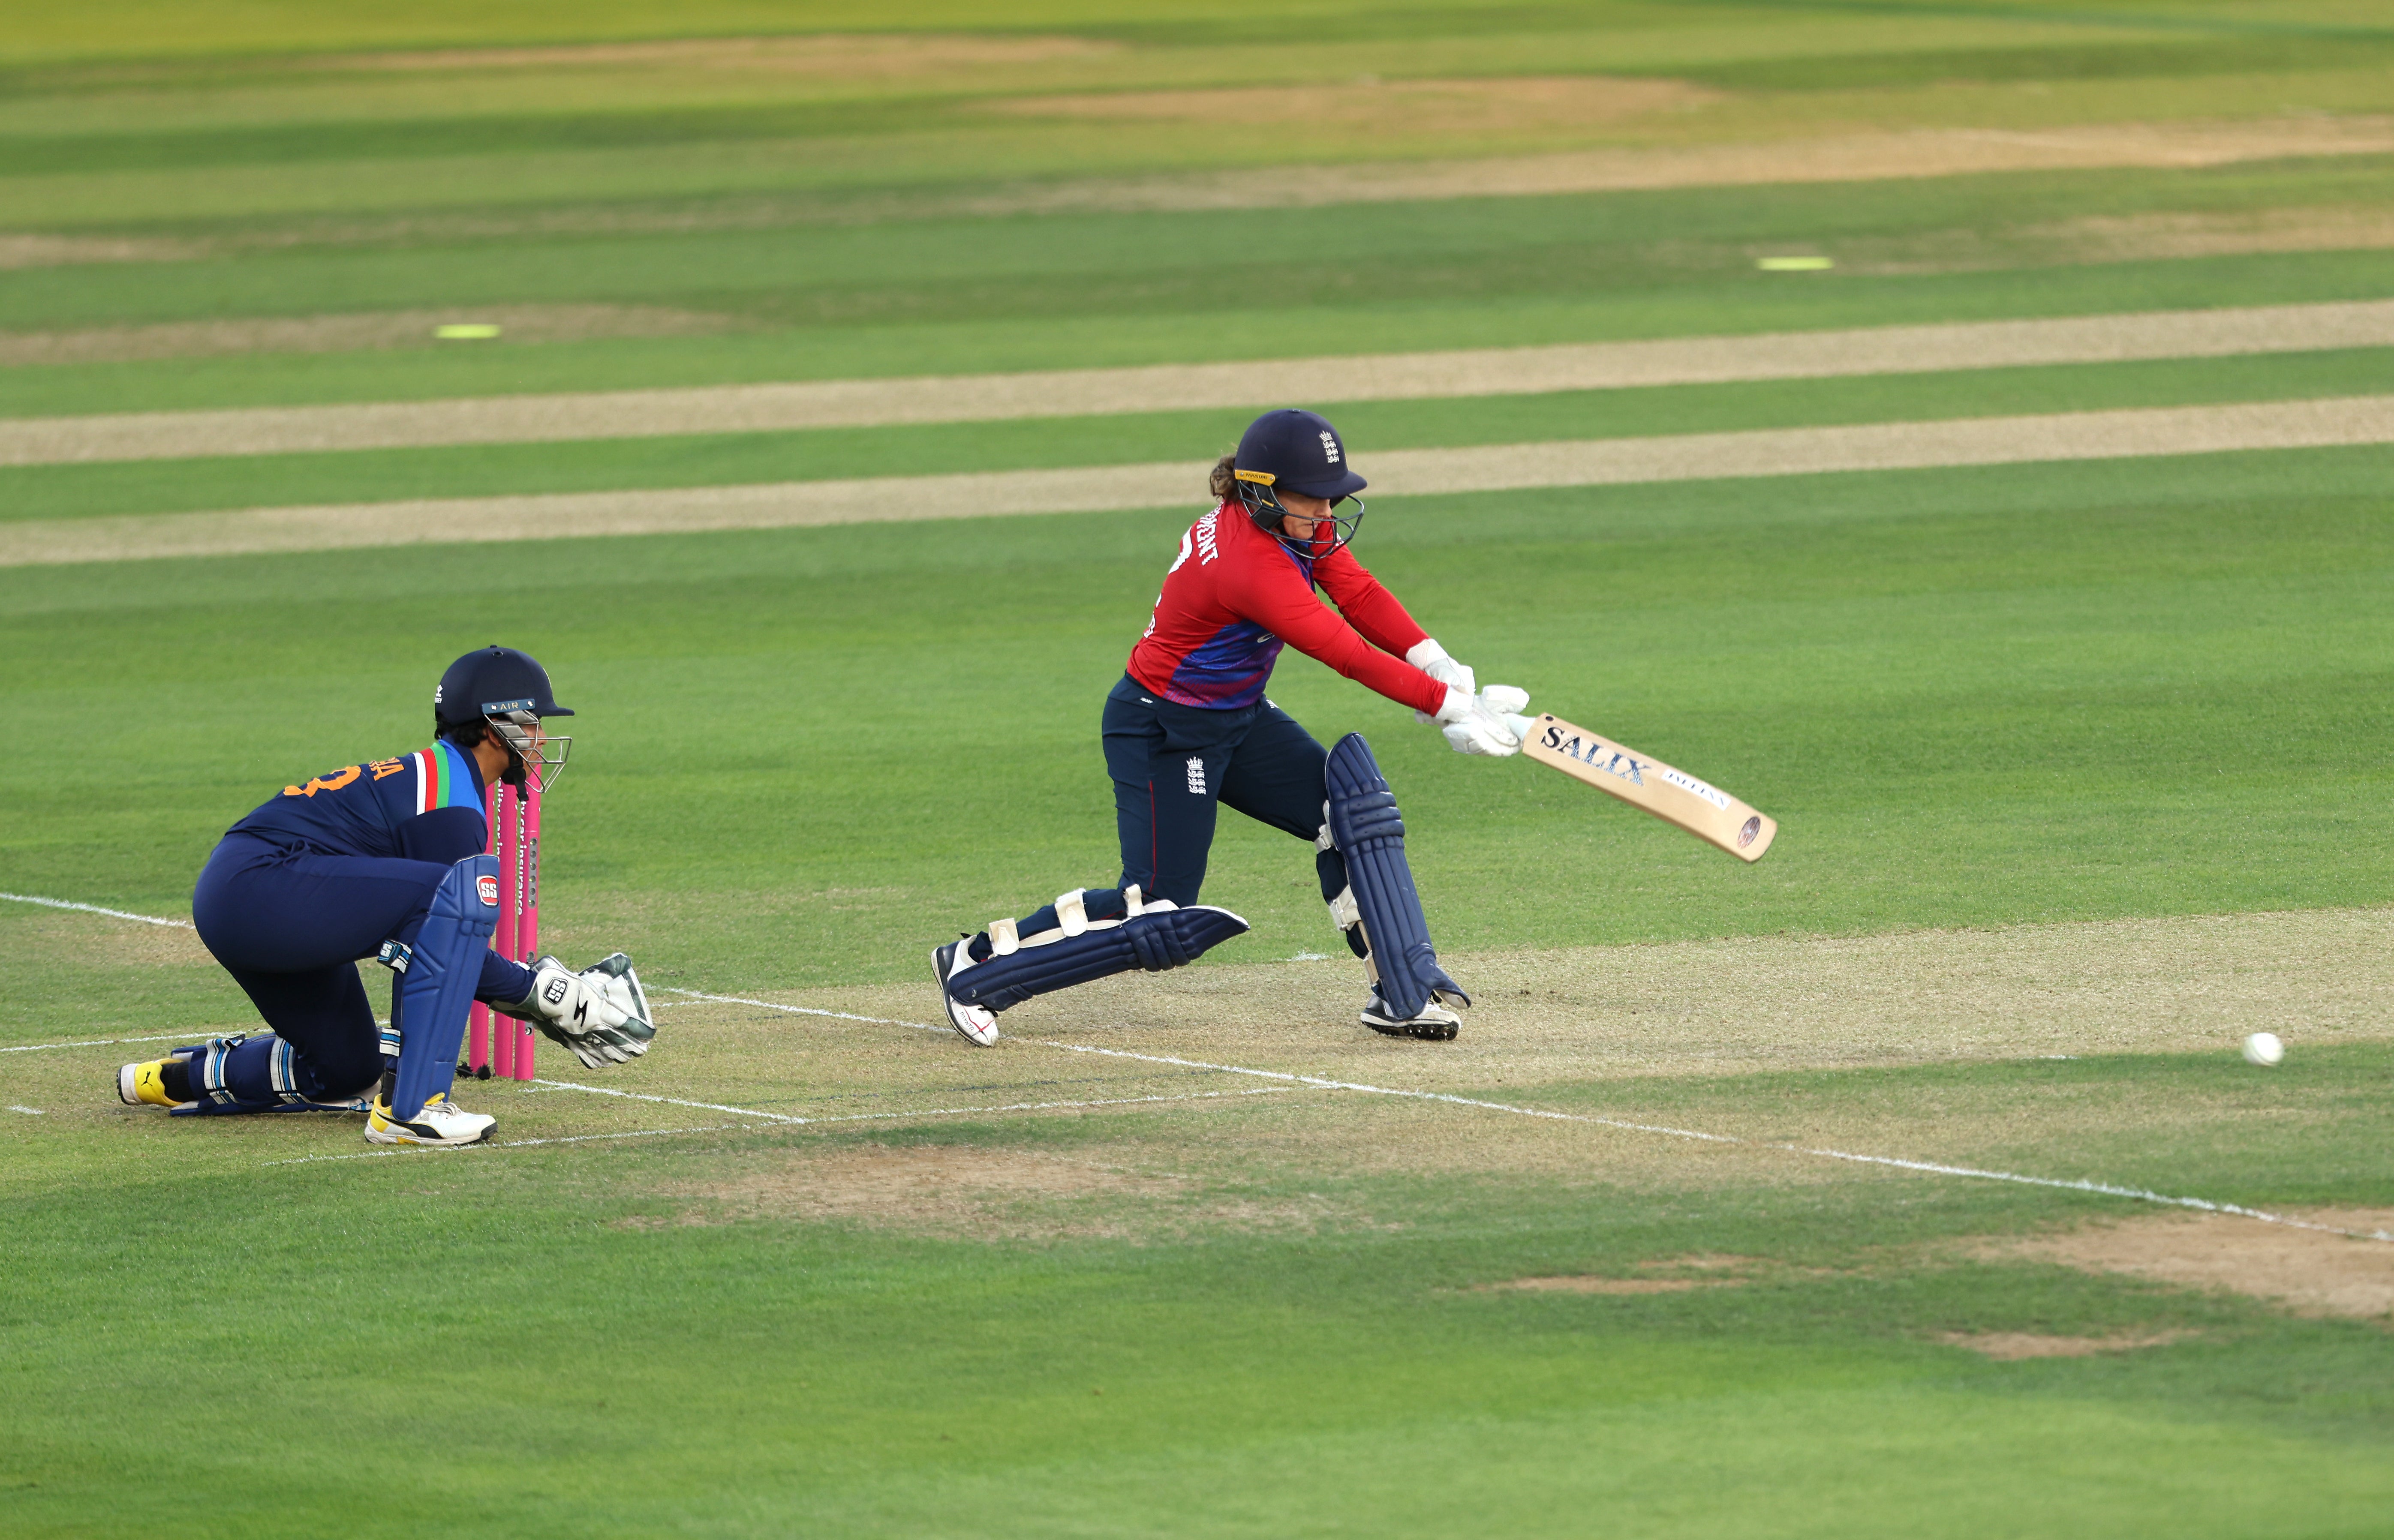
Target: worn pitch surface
[(1572, 1030)]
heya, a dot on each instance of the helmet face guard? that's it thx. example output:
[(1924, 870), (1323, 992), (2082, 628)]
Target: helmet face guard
[(508, 693), (1263, 506), (537, 754)]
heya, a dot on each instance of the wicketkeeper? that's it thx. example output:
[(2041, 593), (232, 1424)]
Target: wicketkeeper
[(388, 860), (1188, 728)]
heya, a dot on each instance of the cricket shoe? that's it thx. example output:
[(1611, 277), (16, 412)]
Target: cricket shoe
[(144, 1085), (976, 1023), (437, 1122), (1435, 1024)]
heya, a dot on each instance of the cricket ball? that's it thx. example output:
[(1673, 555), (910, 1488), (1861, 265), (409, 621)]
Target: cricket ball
[(2263, 1048)]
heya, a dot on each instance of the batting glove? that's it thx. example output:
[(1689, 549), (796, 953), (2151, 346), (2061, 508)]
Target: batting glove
[(1431, 658), (1489, 723)]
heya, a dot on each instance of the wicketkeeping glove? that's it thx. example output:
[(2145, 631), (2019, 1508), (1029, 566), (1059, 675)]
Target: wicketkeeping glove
[(601, 1012)]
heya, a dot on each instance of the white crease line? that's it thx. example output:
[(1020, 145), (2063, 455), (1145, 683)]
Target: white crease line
[(34, 1112), (885, 1116), (804, 1010), (507, 1144), (671, 1100), (2082, 1185), (718, 1128), (94, 908), (107, 1042)]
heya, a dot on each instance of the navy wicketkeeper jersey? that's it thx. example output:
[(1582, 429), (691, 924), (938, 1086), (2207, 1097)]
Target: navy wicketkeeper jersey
[(424, 806)]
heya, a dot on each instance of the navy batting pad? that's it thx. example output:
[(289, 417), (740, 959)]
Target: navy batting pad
[(1368, 831), (1151, 941)]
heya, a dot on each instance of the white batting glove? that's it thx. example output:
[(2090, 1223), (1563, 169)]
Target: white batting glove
[(1431, 658), (1488, 722)]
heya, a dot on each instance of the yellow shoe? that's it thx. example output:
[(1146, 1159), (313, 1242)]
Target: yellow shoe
[(436, 1123), (144, 1085)]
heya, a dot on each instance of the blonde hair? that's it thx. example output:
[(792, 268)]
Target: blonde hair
[(1223, 484)]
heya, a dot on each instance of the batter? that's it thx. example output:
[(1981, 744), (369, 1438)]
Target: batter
[(1188, 729)]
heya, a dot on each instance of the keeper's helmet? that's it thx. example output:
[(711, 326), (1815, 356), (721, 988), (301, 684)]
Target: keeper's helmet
[(1297, 451), (507, 692)]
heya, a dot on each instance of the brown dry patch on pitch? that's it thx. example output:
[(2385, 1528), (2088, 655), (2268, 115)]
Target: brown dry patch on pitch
[(517, 324), (2309, 1272), (2127, 238), (1400, 106), (67, 251), (2012, 1345), (831, 56), (977, 1193)]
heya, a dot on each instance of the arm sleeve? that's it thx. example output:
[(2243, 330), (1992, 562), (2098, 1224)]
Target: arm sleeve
[(446, 834), (1279, 600), (1369, 608), (503, 983)]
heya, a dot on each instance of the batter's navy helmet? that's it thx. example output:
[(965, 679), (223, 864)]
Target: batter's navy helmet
[(1294, 451)]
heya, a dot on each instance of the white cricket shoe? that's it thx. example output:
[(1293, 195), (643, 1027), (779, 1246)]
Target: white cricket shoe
[(975, 1024), (1435, 1024), (439, 1122)]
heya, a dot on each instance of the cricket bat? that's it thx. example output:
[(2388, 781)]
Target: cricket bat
[(1674, 796)]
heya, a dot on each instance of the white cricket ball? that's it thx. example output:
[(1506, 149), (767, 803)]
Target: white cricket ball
[(2263, 1048)]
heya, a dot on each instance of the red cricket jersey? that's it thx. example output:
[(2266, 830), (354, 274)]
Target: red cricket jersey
[(1236, 595)]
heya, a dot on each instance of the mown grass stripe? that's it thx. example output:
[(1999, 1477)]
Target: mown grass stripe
[(1171, 388), (1372, 428), (1110, 181), (2128, 433)]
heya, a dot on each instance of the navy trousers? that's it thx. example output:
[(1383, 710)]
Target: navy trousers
[(291, 926), (1172, 765)]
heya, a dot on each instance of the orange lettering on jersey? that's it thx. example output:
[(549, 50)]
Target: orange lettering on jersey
[(333, 782), (388, 767)]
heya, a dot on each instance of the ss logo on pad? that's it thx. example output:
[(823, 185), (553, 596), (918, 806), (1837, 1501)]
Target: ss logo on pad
[(488, 889)]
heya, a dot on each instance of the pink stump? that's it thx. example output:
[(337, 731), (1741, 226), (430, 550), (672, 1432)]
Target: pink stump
[(527, 936), (478, 1030), (506, 813)]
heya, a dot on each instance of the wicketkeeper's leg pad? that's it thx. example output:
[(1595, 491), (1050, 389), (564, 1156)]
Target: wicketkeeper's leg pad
[(255, 1071), (437, 988), (1363, 827), (1151, 936), (250, 1073)]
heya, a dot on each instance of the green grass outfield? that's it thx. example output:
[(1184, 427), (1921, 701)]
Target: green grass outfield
[(2083, 759)]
